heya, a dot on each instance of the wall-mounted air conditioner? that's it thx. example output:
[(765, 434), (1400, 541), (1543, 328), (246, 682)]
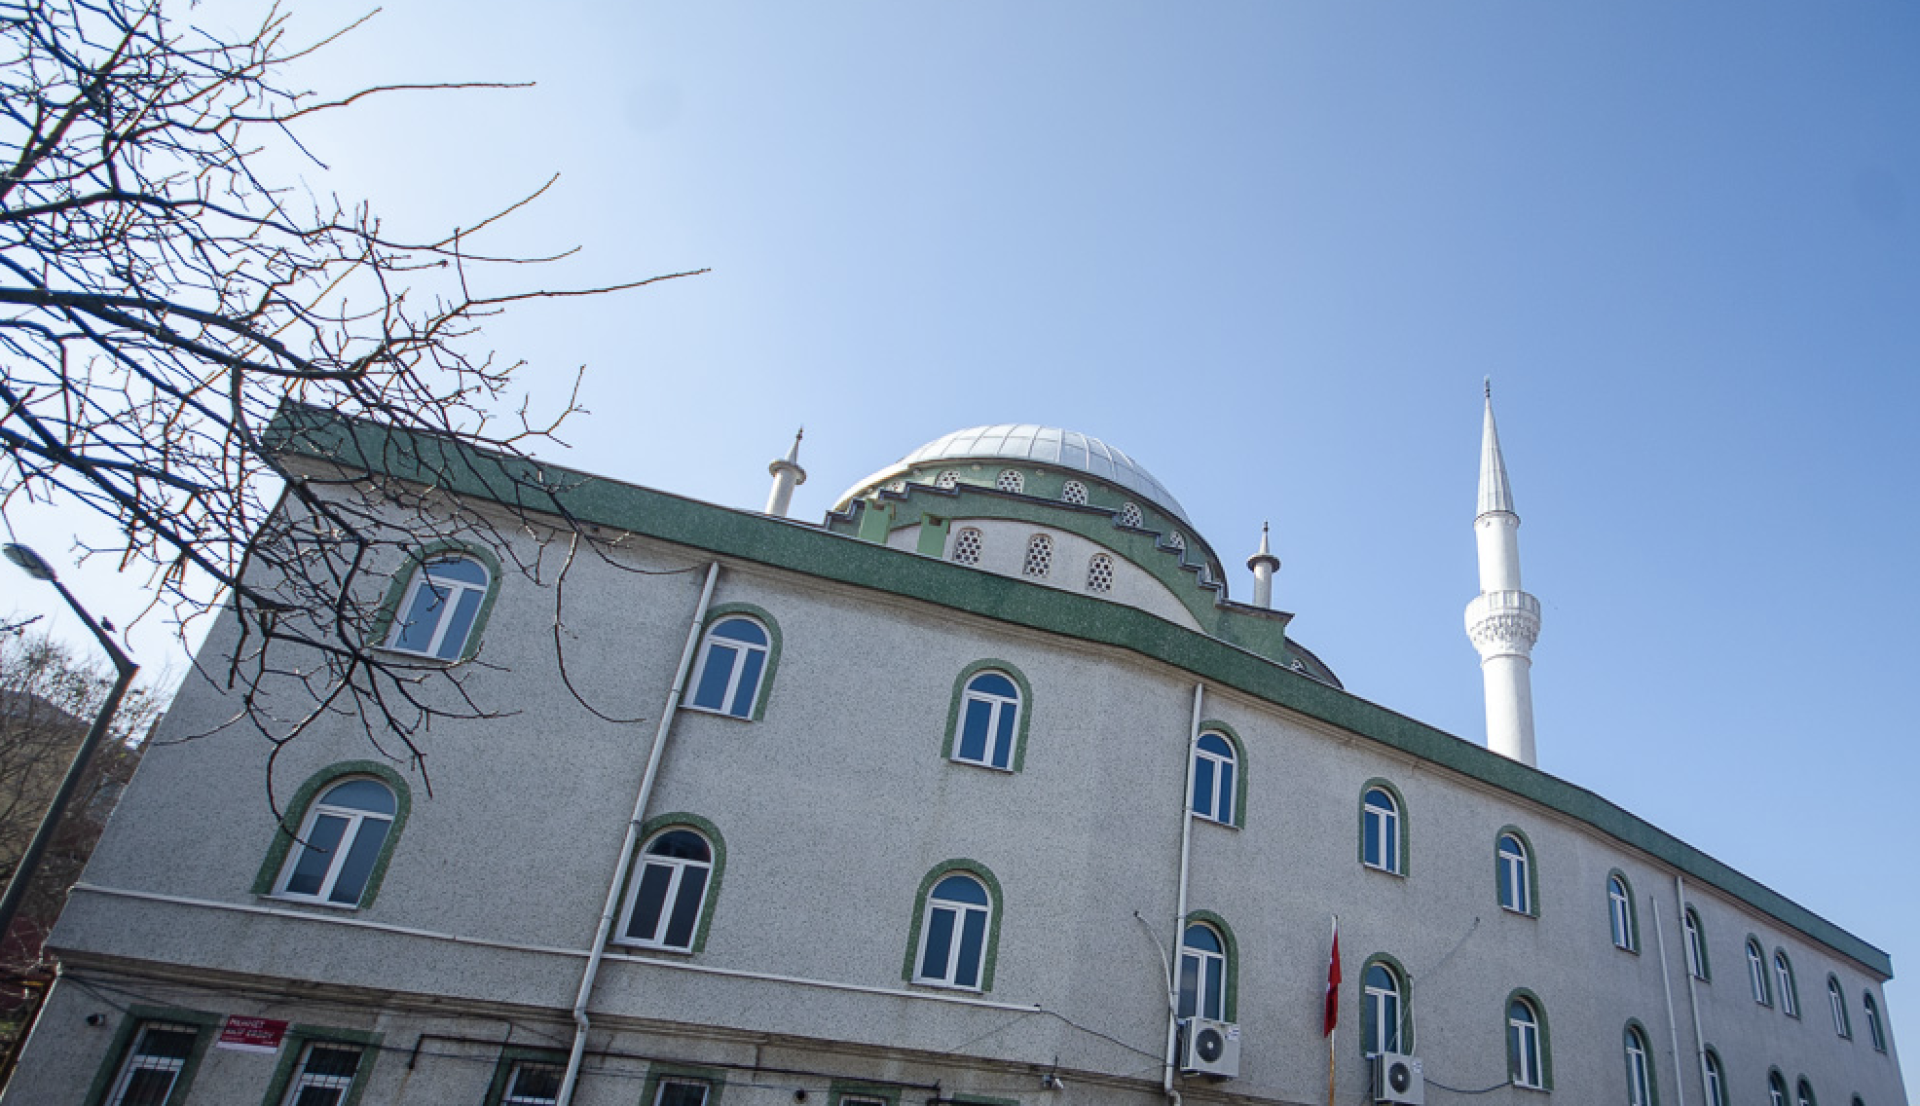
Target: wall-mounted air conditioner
[(1209, 1048), (1398, 1078)]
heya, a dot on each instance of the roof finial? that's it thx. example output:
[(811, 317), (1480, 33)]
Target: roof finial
[(1487, 383)]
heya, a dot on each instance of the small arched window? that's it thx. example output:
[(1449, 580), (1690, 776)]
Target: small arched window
[(1385, 1017), (966, 546), (1011, 480), (1696, 944), (1203, 973), (1074, 492), (667, 896), (1380, 830), (732, 666), (1789, 993), (1100, 574), (1837, 1000), (1757, 973), (1214, 778), (1177, 542), (1776, 1089), (1804, 1097), (1039, 556), (1525, 1053), (947, 480), (436, 615), (1874, 1032), (1515, 878), (953, 933), (1639, 1069), (989, 720), (1130, 516), (1620, 912), (341, 842), (1716, 1078)]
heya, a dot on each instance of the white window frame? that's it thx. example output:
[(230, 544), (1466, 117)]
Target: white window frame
[(669, 1082), (1757, 973), (1876, 1034), (1206, 1002), (994, 755), (1837, 1000), (357, 821), (1620, 912), (1524, 1059), (510, 1092), (451, 593), (136, 1061), (962, 912), (1384, 1008), (677, 869), (1382, 830), (1217, 806), (1517, 893), (1639, 1078), (1803, 1093), (1783, 974), (1776, 1089), (1716, 1079), (732, 697), (1696, 944), (304, 1080)]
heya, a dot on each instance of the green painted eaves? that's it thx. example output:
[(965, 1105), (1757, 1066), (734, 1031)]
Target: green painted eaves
[(454, 467)]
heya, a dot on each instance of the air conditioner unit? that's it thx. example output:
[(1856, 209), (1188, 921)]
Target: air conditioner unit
[(1398, 1078), (1209, 1048)]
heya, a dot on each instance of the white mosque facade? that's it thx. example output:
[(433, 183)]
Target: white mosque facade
[(983, 791)]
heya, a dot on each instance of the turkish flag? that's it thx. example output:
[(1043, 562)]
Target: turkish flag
[(1333, 985)]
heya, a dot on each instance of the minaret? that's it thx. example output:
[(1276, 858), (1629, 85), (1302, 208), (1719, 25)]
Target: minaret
[(1264, 564), (1503, 621), (787, 473)]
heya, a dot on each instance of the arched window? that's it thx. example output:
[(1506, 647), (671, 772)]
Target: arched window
[(1130, 516), (953, 933), (1696, 944), (341, 841), (1804, 1096), (1716, 1078), (1074, 492), (1177, 542), (1516, 889), (1757, 973), (1039, 556), (1526, 1054), (1011, 480), (1100, 574), (1380, 831), (989, 721), (436, 615), (1789, 993), (1620, 913), (733, 665), (1214, 778), (1776, 1089), (947, 480), (1203, 973), (1384, 1024), (667, 896), (1837, 1000), (1639, 1068), (966, 546), (1874, 1032)]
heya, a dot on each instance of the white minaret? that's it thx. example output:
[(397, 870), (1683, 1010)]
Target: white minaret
[(1503, 621), (1264, 564), (787, 474)]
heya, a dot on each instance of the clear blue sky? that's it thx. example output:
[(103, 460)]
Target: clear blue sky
[(1271, 249)]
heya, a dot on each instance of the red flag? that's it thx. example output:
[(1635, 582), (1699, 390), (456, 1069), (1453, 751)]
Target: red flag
[(1333, 985)]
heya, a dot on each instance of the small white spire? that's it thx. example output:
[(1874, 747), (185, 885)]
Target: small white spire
[(1496, 494), (787, 474), (1264, 564), (1503, 621)]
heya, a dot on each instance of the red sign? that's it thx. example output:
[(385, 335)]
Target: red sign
[(252, 1034)]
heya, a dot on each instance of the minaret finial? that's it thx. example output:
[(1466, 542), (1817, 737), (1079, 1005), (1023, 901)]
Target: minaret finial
[(1503, 621), (1486, 382), (787, 474)]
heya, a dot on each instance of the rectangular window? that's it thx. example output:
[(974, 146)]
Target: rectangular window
[(680, 1092), (324, 1075), (154, 1062), (532, 1084)]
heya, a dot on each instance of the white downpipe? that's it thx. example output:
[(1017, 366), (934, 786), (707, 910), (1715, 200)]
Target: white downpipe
[(1180, 903), (581, 1023), (1693, 996), (1666, 992)]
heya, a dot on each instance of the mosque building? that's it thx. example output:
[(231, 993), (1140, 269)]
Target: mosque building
[(982, 790)]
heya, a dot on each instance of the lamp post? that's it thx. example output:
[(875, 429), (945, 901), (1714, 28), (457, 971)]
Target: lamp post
[(32, 564)]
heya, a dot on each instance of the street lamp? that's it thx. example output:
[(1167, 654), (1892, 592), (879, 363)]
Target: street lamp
[(32, 564)]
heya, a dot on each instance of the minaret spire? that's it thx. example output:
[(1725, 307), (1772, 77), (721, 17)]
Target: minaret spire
[(1264, 564), (1503, 621), (786, 473)]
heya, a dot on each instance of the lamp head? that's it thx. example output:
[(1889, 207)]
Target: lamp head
[(29, 561)]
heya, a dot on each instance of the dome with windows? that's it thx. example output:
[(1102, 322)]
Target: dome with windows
[(1034, 444)]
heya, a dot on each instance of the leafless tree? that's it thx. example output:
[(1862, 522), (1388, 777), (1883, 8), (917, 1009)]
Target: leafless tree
[(160, 303)]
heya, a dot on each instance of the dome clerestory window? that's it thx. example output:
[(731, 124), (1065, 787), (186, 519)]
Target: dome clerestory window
[(1130, 516), (1011, 480), (1074, 492), (947, 480)]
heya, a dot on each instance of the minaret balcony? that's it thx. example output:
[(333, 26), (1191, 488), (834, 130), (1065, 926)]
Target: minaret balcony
[(1503, 621)]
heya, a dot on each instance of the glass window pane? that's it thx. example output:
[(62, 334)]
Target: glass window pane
[(464, 611), (1214, 743), (316, 856), (1225, 806), (681, 1094), (1202, 937), (650, 902), (460, 569), (741, 629), (961, 889), (993, 683), (336, 1062), (682, 844), (171, 1044), (973, 730), (933, 965), (686, 907), (712, 692), (421, 619), (148, 1088), (1203, 786), (1189, 985), (751, 664), (361, 856), (1215, 986), (361, 795), (973, 940), (1003, 737)]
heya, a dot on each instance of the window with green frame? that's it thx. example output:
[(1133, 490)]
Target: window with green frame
[(348, 819), (322, 1066), (153, 1057)]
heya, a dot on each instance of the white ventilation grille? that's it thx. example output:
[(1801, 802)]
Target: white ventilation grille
[(1011, 480), (1039, 555), (1075, 493), (1130, 516), (1100, 573), (966, 547), (1177, 542), (946, 480)]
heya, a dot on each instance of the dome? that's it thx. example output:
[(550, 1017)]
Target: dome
[(1047, 445)]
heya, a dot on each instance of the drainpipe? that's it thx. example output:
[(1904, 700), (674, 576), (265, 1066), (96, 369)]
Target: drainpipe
[(1180, 903), (632, 840), (1693, 995), (1666, 992)]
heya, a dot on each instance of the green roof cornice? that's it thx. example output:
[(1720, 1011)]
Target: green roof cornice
[(455, 467)]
